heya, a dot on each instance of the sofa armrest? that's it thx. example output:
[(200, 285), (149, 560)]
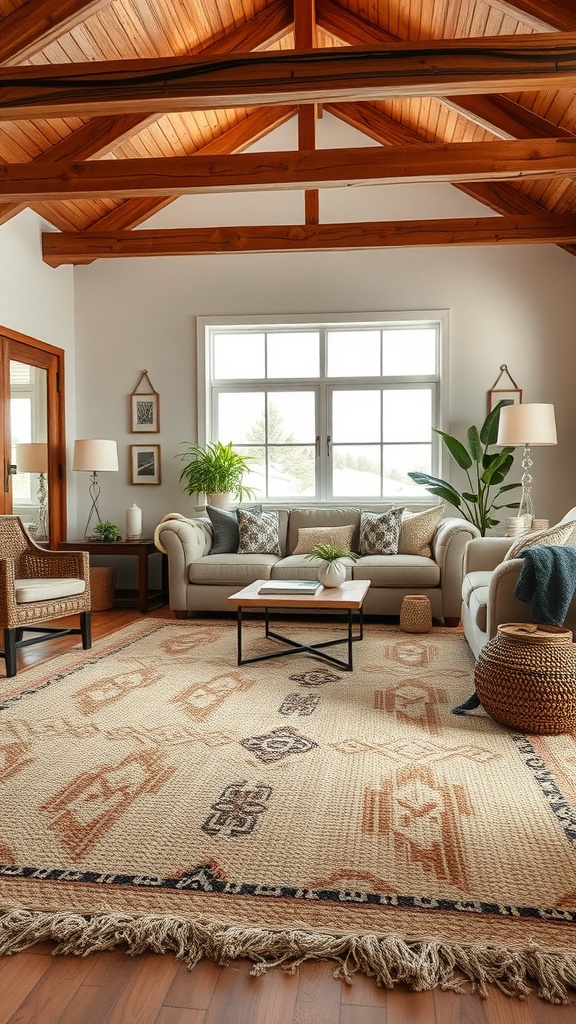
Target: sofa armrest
[(503, 605), (183, 541), (484, 553), (448, 547)]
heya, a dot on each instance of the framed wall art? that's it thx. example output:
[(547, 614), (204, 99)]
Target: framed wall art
[(504, 390), (144, 407), (145, 463)]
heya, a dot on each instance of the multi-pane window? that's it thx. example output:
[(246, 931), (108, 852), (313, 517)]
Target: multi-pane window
[(329, 410)]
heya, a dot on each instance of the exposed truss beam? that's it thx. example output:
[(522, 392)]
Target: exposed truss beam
[(39, 22), (77, 247), (431, 68), (463, 161), (305, 39)]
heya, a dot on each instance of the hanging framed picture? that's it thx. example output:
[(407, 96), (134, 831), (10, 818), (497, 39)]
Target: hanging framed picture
[(507, 390), (145, 463), (144, 407)]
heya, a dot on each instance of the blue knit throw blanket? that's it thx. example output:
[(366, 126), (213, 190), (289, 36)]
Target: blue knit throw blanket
[(547, 581)]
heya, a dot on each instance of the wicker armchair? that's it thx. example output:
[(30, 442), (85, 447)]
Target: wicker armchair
[(37, 585)]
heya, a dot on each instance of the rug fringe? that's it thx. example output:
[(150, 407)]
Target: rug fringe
[(391, 960)]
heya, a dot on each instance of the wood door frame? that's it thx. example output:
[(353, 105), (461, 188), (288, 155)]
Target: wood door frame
[(25, 349)]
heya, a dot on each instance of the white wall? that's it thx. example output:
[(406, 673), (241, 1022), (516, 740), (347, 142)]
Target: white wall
[(509, 304)]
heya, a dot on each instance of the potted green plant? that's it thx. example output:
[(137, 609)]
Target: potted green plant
[(485, 472), (215, 470), (107, 530), (332, 571)]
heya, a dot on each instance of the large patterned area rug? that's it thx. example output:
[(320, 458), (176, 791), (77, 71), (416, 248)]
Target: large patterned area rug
[(153, 795)]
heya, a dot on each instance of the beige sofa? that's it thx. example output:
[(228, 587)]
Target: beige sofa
[(488, 586), (201, 582)]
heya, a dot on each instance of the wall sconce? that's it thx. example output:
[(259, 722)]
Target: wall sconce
[(94, 456), (529, 424), (33, 458)]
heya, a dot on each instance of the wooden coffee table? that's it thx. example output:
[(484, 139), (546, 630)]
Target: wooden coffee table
[(348, 598)]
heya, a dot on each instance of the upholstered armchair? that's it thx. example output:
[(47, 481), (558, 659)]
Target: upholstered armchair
[(36, 586)]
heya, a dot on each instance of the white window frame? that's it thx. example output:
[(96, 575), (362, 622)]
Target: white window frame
[(205, 326)]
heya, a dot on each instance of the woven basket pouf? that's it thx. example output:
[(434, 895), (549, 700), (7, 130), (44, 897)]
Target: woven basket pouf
[(525, 677), (102, 585), (416, 614)]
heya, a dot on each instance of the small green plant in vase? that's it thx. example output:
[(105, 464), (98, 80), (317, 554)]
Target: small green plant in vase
[(215, 470), (107, 531), (332, 571)]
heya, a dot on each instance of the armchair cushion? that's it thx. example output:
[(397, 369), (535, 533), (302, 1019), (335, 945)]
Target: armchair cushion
[(46, 589)]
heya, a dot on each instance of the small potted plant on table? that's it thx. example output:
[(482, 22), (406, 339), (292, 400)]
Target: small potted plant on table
[(332, 571)]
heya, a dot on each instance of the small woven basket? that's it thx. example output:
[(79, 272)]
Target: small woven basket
[(102, 585), (525, 677), (416, 614)]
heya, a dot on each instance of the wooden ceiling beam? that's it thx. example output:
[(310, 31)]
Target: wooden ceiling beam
[(39, 22), (522, 159), (430, 68), (77, 247)]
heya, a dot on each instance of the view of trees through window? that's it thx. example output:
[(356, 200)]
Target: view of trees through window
[(327, 411)]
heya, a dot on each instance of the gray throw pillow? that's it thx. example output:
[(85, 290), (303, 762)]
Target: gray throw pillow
[(225, 526), (379, 532), (258, 533)]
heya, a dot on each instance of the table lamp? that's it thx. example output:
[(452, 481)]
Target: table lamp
[(33, 458), (94, 456), (526, 424)]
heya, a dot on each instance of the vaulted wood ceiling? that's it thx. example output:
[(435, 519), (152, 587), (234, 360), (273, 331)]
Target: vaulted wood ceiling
[(111, 109)]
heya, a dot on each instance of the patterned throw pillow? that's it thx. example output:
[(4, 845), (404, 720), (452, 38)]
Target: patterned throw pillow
[(309, 537), (225, 527), (417, 531), (380, 532), (258, 533), (559, 534)]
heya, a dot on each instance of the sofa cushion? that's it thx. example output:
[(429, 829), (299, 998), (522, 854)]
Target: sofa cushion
[(258, 533), (305, 518), (397, 571), (418, 529), (309, 537), (380, 532), (225, 527), (231, 569)]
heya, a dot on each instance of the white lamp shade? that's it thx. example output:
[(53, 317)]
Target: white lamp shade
[(95, 456), (32, 458), (529, 424)]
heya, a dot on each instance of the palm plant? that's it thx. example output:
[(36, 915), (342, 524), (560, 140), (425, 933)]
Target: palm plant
[(485, 472), (215, 469)]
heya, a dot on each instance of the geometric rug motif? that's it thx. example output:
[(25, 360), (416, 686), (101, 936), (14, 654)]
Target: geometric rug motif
[(150, 797)]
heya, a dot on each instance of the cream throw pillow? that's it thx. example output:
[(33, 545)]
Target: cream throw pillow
[(559, 534), (309, 537), (417, 531)]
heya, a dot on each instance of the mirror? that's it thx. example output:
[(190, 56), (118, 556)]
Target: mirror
[(29, 446)]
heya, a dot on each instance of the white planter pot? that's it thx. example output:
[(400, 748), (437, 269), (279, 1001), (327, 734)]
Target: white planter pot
[(220, 500), (332, 574)]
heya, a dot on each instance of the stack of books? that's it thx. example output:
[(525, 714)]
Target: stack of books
[(290, 587)]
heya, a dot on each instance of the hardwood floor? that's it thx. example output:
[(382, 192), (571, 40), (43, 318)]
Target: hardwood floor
[(112, 988)]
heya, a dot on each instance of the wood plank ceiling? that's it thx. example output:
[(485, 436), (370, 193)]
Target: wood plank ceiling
[(111, 109)]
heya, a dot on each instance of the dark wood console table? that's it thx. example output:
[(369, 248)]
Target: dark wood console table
[(144, 599)]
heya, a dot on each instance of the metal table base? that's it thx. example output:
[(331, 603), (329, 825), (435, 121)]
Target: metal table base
[(293, 647)]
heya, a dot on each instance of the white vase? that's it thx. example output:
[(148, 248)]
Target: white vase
[(332, 574)]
